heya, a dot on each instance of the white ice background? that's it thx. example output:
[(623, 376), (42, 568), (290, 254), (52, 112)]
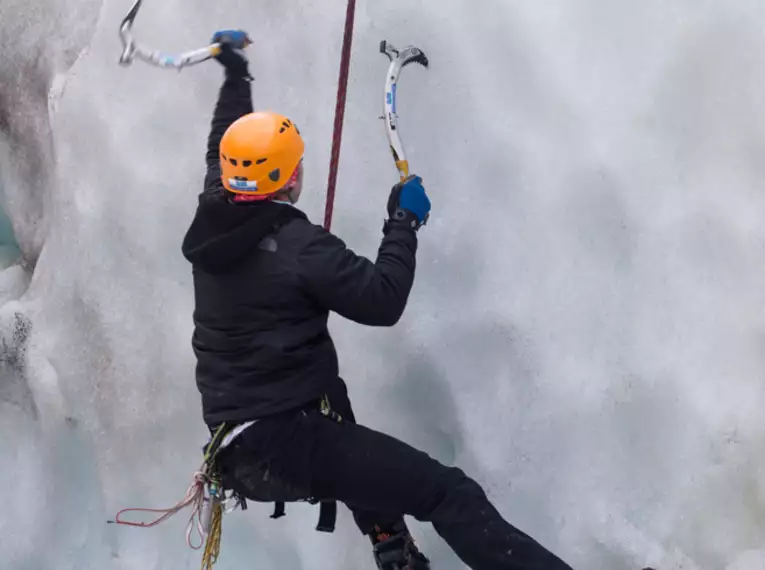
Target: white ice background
[(586, 335)]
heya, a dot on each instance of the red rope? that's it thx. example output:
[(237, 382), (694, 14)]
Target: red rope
[(342, 90)]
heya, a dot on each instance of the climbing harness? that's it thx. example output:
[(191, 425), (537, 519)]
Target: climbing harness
[(208, 498), (131, 50), (327, 411), (207, 508), (327, 508), (398, 60)]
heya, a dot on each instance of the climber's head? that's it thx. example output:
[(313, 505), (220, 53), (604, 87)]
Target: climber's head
[(261, 158)]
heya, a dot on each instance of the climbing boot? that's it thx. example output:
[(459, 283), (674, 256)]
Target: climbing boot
[(398, 552)]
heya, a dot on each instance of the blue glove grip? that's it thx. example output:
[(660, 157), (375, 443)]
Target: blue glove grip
[(414, 198), (237, 39)]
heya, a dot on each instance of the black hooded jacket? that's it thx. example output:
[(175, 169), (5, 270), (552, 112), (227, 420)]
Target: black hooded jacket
[(265, 280)]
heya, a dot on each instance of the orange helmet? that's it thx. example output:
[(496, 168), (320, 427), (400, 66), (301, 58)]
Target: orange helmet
[(259, 153)]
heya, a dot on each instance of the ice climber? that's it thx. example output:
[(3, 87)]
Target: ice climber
[(265, 281)]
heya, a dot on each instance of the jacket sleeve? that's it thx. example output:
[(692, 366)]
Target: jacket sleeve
[(234, 101), (368, 293)]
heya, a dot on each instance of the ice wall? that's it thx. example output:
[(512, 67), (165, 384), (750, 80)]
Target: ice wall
[(586, 332)]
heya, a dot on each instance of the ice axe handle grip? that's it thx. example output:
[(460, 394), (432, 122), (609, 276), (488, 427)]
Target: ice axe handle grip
[(403, 169)]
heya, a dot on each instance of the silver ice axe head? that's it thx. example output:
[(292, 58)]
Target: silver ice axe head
[(398, 60), (127, 39), (132, 50), (409, 54)]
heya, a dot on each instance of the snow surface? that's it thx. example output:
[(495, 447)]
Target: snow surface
[(586, 335)]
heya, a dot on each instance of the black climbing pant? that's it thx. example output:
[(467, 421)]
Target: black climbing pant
[(380, 479)]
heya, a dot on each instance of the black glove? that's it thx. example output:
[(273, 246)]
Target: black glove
[(231, 56), (409, 204)]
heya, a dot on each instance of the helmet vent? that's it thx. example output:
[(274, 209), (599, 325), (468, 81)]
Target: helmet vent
[(224, 157), (233, 161), (246, 163), (261, 160), (275, 175)]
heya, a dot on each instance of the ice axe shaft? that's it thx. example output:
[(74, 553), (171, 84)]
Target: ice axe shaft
[(398, 60), (131, 50)]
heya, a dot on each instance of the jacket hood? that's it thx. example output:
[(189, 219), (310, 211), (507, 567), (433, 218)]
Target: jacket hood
[(223, 234)]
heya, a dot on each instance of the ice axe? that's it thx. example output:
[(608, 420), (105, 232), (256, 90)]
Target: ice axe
[(398, 60), (132, 50)]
